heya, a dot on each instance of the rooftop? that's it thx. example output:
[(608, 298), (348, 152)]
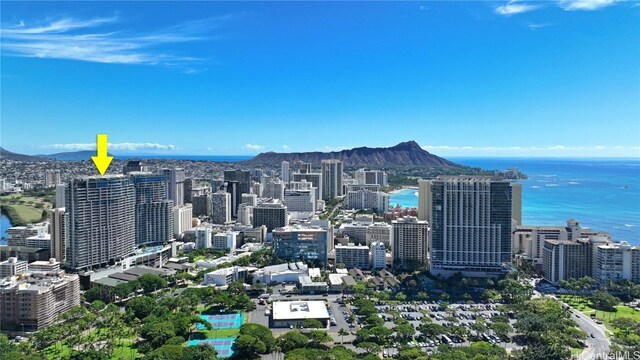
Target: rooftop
[(296, 310)]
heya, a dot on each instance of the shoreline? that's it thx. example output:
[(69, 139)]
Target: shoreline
[(403, 188)]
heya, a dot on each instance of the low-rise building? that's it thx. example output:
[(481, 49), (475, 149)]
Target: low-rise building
[(308, 286), (12, 267), (307, 243), (45, 266), (286, 314), (225, 276)]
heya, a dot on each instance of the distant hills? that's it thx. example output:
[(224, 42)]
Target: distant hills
[(6, 154), (407, 153), (72, 155)]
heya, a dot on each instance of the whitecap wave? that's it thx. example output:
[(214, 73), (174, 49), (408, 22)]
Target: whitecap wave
[(629, 225), (574, 183), (551, 185), (535, 187)]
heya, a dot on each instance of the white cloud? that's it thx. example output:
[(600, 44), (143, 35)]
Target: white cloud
[(253, 147), (285, 147), (534, 27), (112, 146), (77, 39), (571, 5), (513, 7)]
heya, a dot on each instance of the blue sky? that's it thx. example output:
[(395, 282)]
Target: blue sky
[(553, 78)]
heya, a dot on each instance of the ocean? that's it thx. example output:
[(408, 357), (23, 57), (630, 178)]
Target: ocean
[(603, 194)]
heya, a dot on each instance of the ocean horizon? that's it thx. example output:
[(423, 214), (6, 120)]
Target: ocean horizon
[(602, 194)]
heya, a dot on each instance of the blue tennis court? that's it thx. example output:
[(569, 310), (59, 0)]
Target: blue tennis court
[(223, 321), (222, 345)]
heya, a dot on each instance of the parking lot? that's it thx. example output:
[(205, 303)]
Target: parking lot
[(454, 315)]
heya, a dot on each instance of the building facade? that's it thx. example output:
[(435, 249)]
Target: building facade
[(272, 214), (58, 235), (331, 179), (36, 301), (101, 221), (353, 256), (301, 243), (471, 222), (182, 216), (221, 207), (174, 182), (154, 213), (410, 242)]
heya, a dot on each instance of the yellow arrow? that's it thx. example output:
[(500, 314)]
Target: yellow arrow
[(101, 161)]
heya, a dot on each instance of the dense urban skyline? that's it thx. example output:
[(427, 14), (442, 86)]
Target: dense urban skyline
[(462, 79)]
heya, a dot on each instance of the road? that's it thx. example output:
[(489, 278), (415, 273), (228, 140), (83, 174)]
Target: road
[(599, 344)]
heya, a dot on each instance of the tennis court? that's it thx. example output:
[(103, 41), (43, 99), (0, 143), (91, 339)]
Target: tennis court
[(222, 345), (223, 321)]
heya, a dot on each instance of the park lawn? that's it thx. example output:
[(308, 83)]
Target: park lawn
[(222, 333), (25, 213), (124, 350), (582, 304)]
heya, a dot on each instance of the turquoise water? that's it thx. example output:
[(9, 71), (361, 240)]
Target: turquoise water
[(5, 223), (405, 197), (603, 194), (223, 346), (223, 321)]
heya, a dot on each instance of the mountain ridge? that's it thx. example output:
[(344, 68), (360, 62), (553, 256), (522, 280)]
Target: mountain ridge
[(407, 153)]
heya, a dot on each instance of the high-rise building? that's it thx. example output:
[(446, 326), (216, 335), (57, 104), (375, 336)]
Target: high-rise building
[(617, 262), (366, 177), (245, 214), (380, 232), (36, 301), (378, 255), (256, 189), (221, 209), (60, 194), (188, 188), (242, 177), (250, 199), (471, 223), (271, 214), (284, 172), (202, 205), (528, 241), (300, 200), (376, 201), (224, 241), (101, 220), (516, 203), (353, 256), (203, 237), (563, 259), (303, 167), (331, 179), (134, 165), (314, 178), (58, 235), (273, 188), (182, 216), (154, 212), (174, 179), (424, 196), (410, 242), (301, 243), (52, 178), (234, 189)]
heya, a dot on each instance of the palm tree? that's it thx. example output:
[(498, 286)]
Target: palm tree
[(342, 332)]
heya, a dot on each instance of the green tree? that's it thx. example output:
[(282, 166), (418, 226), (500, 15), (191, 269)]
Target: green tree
[(292, 340), (199, 352), (141, 307), (405, 331), (604, 301), (157, 332), (166, 352), (151, 282), (248, 347), (318, 338), (312, 324)]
